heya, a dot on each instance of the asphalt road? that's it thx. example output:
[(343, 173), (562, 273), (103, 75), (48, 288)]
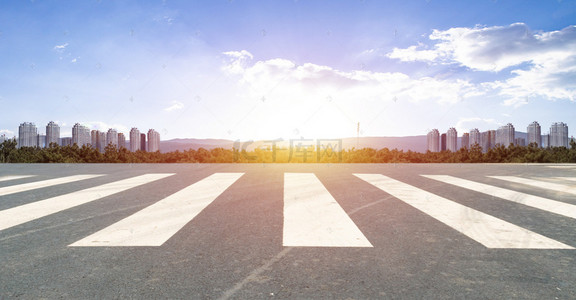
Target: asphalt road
[(233, 245)]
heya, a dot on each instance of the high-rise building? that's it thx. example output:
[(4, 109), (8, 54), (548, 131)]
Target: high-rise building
[(492, 138), (41, 140), (121, 140), (66, 141), (488, 140), (134, 139), (94, 139), (101, 141), (520, 142), (112, 138), (27, 135), (534, 134), (443, 142), (433, 139), (143, 141), (475, 138), (153, 140), (559, 135), (98, 139), (505, 135), (52, 134), (452, 139), (2, 138), (465, 140), (81, 135), (545, 140)]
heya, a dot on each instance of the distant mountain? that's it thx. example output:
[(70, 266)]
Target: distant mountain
[(413, 143), (186, 144), (416, 143)]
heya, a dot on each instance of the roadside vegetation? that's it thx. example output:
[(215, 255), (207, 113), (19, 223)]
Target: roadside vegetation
[(9, 153)]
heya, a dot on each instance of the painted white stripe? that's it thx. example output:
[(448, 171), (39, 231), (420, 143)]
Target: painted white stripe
[(563, 167), (483, 228), (313, 218), (549, 205), (28, 212), (157, 223), (41, 184), (566, 178), (6, 178), (570, 189)]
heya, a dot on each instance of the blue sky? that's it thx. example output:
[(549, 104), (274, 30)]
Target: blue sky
[(287, 69)]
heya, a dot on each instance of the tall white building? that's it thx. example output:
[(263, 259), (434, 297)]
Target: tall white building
[(27, 135), (52, 134), (452, 140), (112, 138), (475, 138), (433, 139), (465, 140), (153, 140), (121, 140), (505, 135), (81, 135), (134, 139), (41, 141), (534, 134), (488, 140), (545, 140), (559, 135)]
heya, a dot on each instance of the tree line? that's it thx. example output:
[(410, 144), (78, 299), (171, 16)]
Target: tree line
[(9, 153)]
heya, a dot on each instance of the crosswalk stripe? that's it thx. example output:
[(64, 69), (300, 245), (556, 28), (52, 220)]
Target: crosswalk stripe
[(549, 205), (155, 224), (483, 228), (42, 184), (570, 189), (313, 218), (566, 178), (7, 178), (28, 212)]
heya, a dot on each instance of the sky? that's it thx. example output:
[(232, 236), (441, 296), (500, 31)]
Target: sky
[(263, 70)]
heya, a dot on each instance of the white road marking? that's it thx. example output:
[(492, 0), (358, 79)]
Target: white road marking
[(41, 184), (570, 189), (483, 228), (565, 178), (563, 167), (155, 224), (14, 177), (549, 205), (313, 218), (28, 212)]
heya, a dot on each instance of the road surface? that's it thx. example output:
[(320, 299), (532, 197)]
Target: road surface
[(288, 231)]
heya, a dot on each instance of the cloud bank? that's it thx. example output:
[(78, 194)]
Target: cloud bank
[(540, 64), (284, 77)]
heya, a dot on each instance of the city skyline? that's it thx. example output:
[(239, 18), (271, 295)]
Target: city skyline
[(30, 136), (557, 136), (287, 69)]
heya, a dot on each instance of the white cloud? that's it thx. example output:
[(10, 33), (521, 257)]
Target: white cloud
[(307, 97), (237, 61), (60, 48), (176, 105), (544, 62), (311, 80), (102, 126), (466, 124), (413, 54), (8, 133)]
